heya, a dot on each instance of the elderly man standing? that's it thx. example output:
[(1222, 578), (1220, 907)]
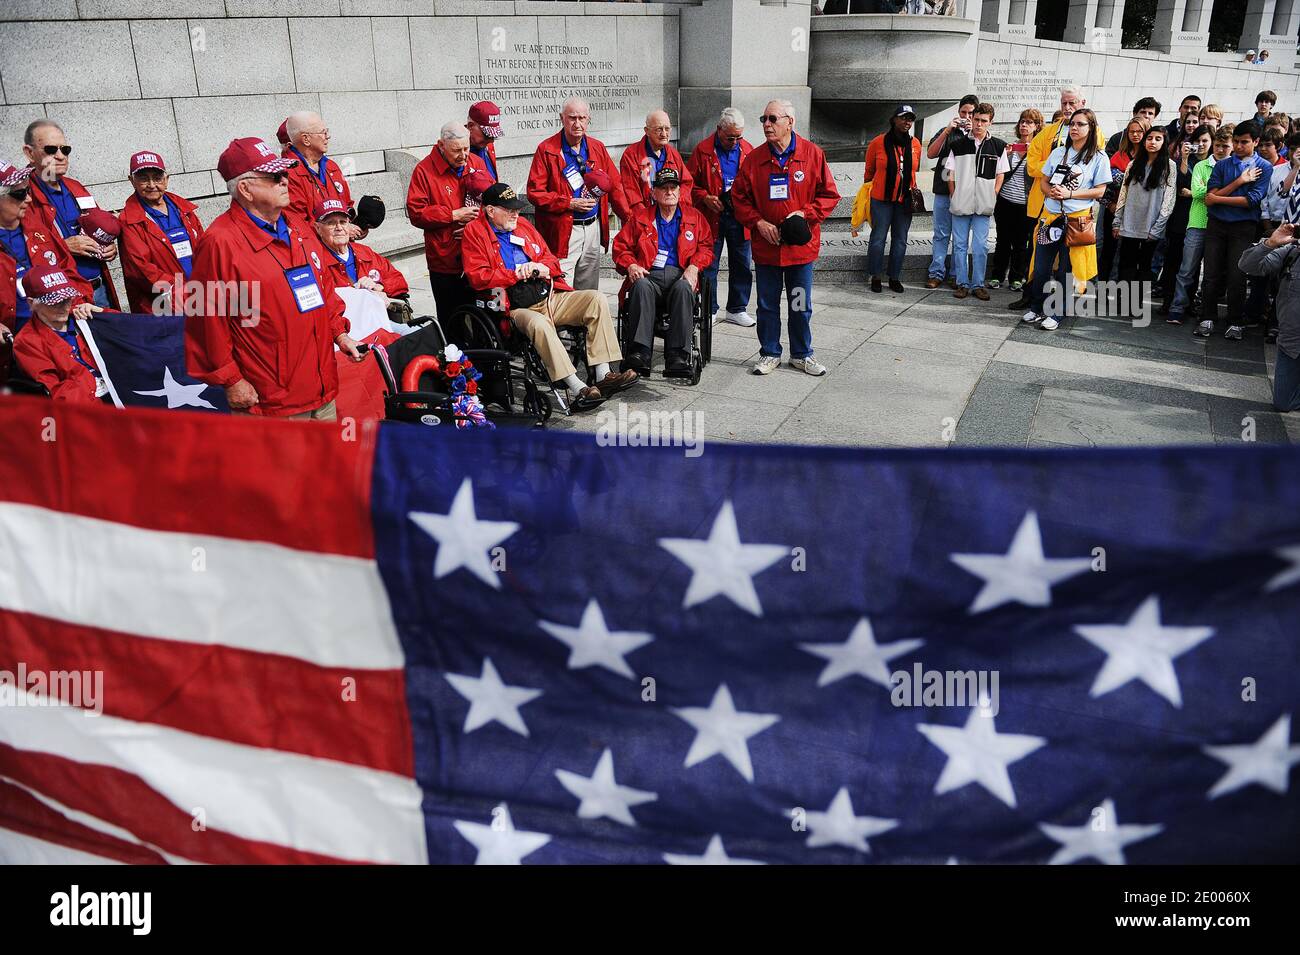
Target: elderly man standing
[(661, 250), (641, 162), (783, 192), (435, 201), (271, 345), (502, 250), (572, 183), (484, 125), (60, 201), (315, 177), (714, 164), (159, 233)]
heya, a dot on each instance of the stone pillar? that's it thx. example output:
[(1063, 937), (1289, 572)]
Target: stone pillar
[(1182, 27), (1096, 23), (1009, 19), (1270, 25)]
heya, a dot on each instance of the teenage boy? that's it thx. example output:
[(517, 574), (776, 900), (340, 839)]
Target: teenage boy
[(1190, 106), (1264, 104), (958, 128), (1197, 217), (973, 187)]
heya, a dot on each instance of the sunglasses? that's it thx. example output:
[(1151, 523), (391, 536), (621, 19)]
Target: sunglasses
[(18, 195), (275, 177), (51, 150), (770, 119)]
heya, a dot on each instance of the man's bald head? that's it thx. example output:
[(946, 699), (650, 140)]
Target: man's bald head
[(658, 129), (308, 132)]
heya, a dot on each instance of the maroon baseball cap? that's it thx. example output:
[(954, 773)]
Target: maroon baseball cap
[(101, 225), (327, 207), (146, 160), (477, 181), (487, 115), (598, 181), (250, 154), (282, 134), (13, 175), (49, 285)]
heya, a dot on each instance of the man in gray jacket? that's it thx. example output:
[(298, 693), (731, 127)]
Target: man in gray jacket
[(1277, 257)]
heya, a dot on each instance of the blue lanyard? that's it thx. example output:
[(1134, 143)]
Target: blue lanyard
[(572, 156), (70, 336), (64, 202), (171, 219), (319, 173)]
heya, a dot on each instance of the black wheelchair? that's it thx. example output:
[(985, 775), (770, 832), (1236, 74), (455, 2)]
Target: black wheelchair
[(701, 328)]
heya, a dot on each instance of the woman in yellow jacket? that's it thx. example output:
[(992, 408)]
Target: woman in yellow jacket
[(1073, 177), (893, 158)]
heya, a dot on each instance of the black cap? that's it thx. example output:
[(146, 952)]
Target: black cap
[(369, 213), (667, 177), (499, 194), (905, 110), (795, 231)]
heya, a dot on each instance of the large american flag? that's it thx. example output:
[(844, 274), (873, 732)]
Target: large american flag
[(520, 647)]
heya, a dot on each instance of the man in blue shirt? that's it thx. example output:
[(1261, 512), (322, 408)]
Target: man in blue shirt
[(1236, 188)]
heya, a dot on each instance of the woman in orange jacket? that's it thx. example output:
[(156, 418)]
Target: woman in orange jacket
[(892, 160)]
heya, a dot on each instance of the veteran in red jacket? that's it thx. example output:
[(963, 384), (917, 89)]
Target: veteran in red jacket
[(484, 125), (783, 192), (502, 250), (662, 251), (316, 177), (160, 231), (572, 184), (49, 348), (60, 202), (351, 263), (715, 163), (267, 329), (643, 160), (435, 202)]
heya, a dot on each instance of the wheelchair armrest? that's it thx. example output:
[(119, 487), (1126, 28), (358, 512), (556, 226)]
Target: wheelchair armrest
[(486, 354)]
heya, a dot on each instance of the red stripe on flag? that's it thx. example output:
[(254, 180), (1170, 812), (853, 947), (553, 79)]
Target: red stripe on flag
[(298, 484), (258, 699), (23, 812), (124, 800)]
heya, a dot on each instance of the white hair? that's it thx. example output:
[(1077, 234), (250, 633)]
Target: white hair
[(786, 106), (1075, 90), (452, 131), (653, 112), (732, 117), (573, 101), (232, 186), (299, 121)]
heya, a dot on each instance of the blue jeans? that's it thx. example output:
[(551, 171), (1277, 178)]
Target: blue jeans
[(797, 280), (1051, 262), (942, 235), (972, 231), (895, 219), (739, 277), (1286, 383), (1193, 250)]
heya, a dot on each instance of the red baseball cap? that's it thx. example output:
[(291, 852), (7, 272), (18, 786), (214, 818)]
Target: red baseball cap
[(250, 154), (146, 160), (13, 175), (487, 115), (101, 225), (327, 207), (49, 285), (477, 181), (282, 134), (598, 181)]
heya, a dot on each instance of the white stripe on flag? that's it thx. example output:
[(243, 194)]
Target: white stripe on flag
[(327, 609), (309, 804), (19, 849), (93, 345)]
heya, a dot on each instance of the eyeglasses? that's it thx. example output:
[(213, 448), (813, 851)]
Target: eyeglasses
[(51, 150), (660, 129), (771, 119), (18, 195), (275, 177), (324, 131)]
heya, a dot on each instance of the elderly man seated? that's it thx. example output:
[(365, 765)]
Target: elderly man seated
[(49, 348), (661, 250), (505, 255), (357, 265)]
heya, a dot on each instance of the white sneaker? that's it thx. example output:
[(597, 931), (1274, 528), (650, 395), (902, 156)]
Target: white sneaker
[(1049, 324), (1030, 317), (743, 319), (766, 365), (809, 366)]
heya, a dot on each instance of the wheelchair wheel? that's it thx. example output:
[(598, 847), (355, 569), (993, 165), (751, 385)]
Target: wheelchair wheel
[(471, 327), (697, 367)]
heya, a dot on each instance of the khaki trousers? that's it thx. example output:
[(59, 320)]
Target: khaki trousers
[(582, 265), (589, 308), (326, 412)]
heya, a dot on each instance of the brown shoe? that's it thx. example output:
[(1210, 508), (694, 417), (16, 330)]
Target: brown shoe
[(932, 283), (962, 293), (952, 282), (617, 381), (981, 294), (586, 399)]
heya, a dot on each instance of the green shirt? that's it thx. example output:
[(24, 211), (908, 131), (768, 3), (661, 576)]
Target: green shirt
[(1199, 214)]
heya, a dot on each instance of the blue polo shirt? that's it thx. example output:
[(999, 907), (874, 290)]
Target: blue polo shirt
[(280, 230), (69, 335), (68, 215), (729, 160), (487, 161), (1228, 169), (319, 171), (668, 232), (659, 158), (173, 226), (349, 260), (511, 253), (784, 155), (15, 244), (578, 158)]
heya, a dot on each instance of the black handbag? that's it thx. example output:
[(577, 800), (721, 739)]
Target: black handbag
[(528, 292)]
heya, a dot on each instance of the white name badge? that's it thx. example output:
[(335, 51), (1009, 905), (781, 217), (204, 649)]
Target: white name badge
[(517, 240), (661, 259), (573, 176), (85, 202), (778, 187), (182, 249), (101, 387)]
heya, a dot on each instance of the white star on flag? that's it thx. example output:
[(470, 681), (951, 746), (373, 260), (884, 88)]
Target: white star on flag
[(1101, 837), (1285, 578), (592, 643), (715, 854), (601, 795), (1022, 574), (978, 753), (464, 540), (490, 699), (859, 655), (500, 843), (1142, 649), (722, 564), (838, 826), (721, 729), (178, 395), (1267, 761)]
